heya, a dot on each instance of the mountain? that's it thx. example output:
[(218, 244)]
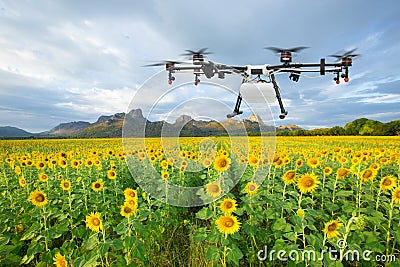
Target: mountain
[(288, 127), (184, 125), (67, 129), (9, 131)]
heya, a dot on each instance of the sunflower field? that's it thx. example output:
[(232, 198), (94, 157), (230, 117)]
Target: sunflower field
[(74, 202)]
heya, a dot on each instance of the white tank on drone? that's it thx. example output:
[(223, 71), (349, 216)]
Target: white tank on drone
[(257, 92)]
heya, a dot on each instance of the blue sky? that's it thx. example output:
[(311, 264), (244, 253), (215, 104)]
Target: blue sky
[(64, 61)]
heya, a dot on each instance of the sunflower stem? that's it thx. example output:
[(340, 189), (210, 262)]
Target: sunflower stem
[(70, 208), (342, 254), (45, 227), (323, 191), (377, 200), (283, 198), (300, 199), (389, 225), (334, 190)]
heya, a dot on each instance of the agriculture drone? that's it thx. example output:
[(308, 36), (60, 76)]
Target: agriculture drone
[(253, 74)]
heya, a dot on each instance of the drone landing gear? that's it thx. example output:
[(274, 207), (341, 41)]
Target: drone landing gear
[(278, 96), (236, 110)]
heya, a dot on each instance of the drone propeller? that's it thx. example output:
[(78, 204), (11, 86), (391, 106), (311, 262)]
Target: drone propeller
[(164, 63), (202, 51), (346, 54), (286, 54), (281, 50)]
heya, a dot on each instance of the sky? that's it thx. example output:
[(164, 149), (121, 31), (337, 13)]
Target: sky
[(63, 61)]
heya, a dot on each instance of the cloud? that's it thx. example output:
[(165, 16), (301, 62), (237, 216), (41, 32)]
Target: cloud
[(69, 60), (391, 98)]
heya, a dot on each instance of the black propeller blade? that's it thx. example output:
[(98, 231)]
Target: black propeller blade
[(164, 62), (345, 54), (281, 50), (202, 51)]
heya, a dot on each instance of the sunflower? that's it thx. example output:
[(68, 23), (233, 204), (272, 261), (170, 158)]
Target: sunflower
[(43, 177), (328, 171), (89, 163), (111, 174), (278, 163), (213, 189), (164, 175), (17, 170), (228, 205), (206, 162), (343, 160), (375, 166), (74, 164), (228, 224), (384, 160), (313, 162), (22, 182), (129, 193), (307, 183), (60, 261), (221, 163), (97, 185), (62, 163), (289, 177), (396, 195), (251, 188), (388, 183), (128, 210), (300, 212), (65, 185), (164, 164), (93, 222), (299, 163), (355, 161), (368, 175), (341, 173), (38, 198), (253, 161), (40, 165), (132, 202), (331, 228)]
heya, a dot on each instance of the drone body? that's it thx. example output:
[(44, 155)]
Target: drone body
[(253, 73)]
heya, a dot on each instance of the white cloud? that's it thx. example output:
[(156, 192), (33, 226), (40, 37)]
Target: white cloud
[(390, 98)]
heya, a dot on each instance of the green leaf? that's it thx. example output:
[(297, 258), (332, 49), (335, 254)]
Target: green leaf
[(234, 255), (279, 225), (103, 248), (344, 193), (4, 239), (117, 244), (200, 234), (80, 261), (204, 214), (121, 228), (129, 241), (27, 259), (291, 236), (91, 242), (91, 259), (213, 254), (35, 248), (5, 249)]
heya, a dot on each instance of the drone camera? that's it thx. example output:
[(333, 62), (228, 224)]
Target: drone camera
[(294, 76)]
